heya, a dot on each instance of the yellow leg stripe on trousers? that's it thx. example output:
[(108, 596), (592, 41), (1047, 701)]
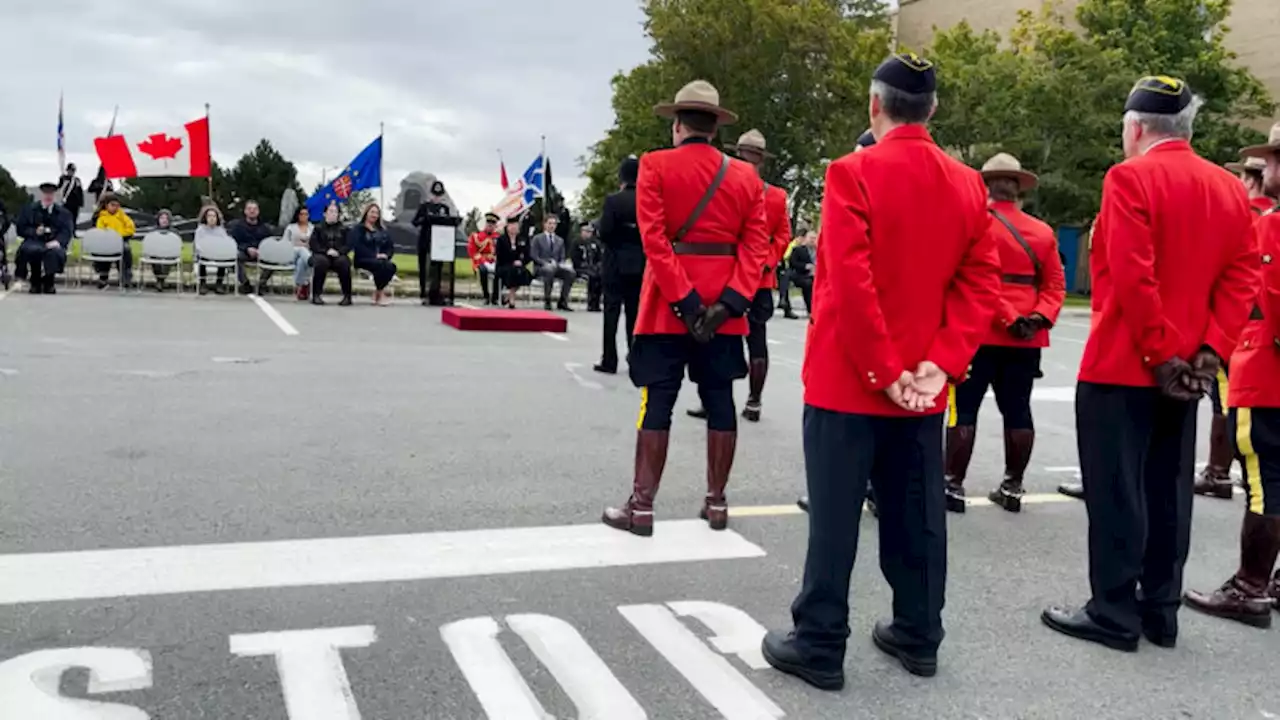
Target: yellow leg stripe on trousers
[(1223, 386), (952, 414), (1252, 468), (644, 405)]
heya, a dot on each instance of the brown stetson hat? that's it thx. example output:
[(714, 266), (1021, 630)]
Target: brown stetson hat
[(752, 140), (1256, 164), (1272, 147), (699, 96), (1005, 165)]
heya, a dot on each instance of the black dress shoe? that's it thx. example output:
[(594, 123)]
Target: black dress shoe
[(1078, 624), (1072, 490), (781, 653), (605, 369), (803, 503), (1160, 638), (913, 659), (699, 413)]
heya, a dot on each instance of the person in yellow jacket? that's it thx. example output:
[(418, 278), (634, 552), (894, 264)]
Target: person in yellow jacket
[(111, 216)]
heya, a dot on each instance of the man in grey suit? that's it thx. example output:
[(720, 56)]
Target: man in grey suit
[(551, 262)]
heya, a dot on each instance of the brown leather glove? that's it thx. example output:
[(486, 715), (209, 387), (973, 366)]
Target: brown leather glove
[(693, 320), (1207, 363), (1022, 329), (1178, 380), (709, 322)]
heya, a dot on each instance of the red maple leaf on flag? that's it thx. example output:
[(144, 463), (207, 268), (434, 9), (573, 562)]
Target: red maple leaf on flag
[(342, 186), (161, 147)]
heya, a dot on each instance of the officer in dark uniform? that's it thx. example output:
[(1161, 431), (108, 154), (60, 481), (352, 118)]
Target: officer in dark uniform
[(884, 341), (623, 263), (701, 217), (46, 229), (587, 258), (1159, 334)]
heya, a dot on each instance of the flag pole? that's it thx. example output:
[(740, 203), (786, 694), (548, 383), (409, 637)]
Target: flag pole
[(210, 178), (382, 191), (546, 187)]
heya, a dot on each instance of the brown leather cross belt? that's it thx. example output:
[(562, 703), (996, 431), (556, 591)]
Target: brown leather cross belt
[(716, 249), (1020, 279)]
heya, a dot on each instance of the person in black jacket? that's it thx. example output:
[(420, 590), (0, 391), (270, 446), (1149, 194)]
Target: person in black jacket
[(71, 193), (45, 228), (249, 232), (513, 260), (433, 213), (329, 252), (623, 263), (587, 259), (373, 250), (4, 250), (801, 267)]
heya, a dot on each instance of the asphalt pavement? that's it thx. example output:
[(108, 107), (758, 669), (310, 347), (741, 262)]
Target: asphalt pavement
[(260, 509)]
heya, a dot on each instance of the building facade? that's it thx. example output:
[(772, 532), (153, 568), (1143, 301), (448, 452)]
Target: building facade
[(1254, 37)]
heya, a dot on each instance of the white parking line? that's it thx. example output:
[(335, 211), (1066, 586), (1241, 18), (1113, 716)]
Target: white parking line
[(274, 315), (573, 368), (555, 336)]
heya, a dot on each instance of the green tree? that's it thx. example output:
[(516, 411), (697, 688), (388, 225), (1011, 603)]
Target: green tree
[(13, 195), (261, 174), (1185, 39), (795, 69), (182, 196), (472, 222)]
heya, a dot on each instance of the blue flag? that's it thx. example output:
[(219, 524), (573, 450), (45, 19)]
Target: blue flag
[(364, 172)]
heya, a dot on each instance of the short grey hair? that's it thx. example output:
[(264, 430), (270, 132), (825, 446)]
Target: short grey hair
[(904, 107), (1181, 125)]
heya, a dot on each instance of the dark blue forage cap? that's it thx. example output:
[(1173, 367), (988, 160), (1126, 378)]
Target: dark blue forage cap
[(866, 139), (1159, 95), (909, 73)]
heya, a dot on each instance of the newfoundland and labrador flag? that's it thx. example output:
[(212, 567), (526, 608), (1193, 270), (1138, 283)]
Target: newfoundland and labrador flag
[(364, 172), (182, 152)]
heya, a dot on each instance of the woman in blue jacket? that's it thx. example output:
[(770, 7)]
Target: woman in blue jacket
[(373, 250)]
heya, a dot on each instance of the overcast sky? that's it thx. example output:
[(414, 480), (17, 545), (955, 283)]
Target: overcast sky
[(454, 81)]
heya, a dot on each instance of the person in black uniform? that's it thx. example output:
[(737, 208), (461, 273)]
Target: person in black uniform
[(432, 213), (623, 263), (71, 193), (4, 251), (587, 255), (45, 228), (513, 260)]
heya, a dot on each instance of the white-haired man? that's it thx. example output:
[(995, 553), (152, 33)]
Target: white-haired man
[(1175, 272)]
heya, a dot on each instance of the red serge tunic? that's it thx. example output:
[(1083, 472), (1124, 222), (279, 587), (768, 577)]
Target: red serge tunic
[(896, 286), (1174, 263), (1022, 291), (1255, 366)]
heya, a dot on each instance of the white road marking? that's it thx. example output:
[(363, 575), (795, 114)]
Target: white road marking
[(4, 294), (468, 306), (736, 633), (710, 674), (493, 677), (1056, 338), (47, 577), (30, 683), (593, 688), (573, 368), (312, 675), (274, 315), (555, 336), (8, 372), (1049, 394), (771, 341)]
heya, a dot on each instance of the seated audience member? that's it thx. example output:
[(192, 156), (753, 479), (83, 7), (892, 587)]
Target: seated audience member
[(111, 216), (550, 262), (481, 248), (210, 227), (329, 252), (46, 229), (4, 249), (588, 256), (800, 262), (512, 258), (298, 234), (249, 232), (373, 251), (164, 223)]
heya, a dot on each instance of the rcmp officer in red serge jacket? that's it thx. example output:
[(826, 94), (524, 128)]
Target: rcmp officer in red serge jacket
[(1175, 274), (902, 299), (751, 148), (1254, 424), (702, 223), (1032, 291)]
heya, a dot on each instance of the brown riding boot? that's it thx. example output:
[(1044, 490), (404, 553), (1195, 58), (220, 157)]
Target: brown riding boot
[(1017, 454), (1273, 592), (959, 451), (720, 449), (636, 516), (755, 383), (1244, 598), (1215, 481)]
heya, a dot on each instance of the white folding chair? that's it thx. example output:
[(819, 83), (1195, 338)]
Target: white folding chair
[(101, 246), (274, 255), (217, 251), (160, 248)]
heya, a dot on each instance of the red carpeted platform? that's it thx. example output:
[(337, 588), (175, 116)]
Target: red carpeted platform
[(503, 320)]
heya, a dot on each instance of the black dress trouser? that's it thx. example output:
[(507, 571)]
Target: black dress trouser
[(321, 264), (1137, 461), (620, 291), (902, 457)]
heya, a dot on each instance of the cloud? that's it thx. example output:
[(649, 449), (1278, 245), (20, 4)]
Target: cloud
[(452, 81)]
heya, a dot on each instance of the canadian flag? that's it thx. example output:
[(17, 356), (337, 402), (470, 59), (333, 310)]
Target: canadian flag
[(181, 153)]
